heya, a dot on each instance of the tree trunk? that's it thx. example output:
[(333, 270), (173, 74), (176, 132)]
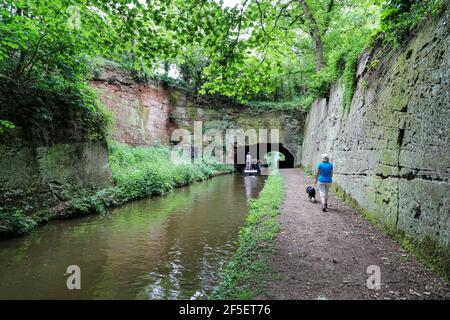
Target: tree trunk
[(166, 66), (18, 70), (319, 52), (314, 31)]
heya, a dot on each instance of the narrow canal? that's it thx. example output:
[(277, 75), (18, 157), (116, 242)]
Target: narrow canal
[(168, 247)]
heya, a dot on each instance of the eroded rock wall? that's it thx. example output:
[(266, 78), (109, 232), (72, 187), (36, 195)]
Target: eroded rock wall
[(391, 148), (38, 178), (140, 111)]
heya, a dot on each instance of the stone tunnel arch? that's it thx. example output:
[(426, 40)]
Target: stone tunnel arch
[(289, 161)]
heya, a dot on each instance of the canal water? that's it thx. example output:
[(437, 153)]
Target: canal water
[(167, 247)]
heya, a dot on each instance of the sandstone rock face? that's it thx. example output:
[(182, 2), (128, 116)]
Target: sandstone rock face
[(37, 178), (140, 111), (391, 148)]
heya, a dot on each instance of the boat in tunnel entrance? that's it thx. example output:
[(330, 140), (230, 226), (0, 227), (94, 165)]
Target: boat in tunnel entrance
[(258, 153)]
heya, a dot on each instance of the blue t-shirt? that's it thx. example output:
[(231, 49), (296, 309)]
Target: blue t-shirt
[(325, 170)]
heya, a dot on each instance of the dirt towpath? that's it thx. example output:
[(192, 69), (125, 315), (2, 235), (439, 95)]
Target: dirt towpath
[(325, 255)]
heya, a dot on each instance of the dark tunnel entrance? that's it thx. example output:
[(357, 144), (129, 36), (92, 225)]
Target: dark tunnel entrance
[(258, 151)]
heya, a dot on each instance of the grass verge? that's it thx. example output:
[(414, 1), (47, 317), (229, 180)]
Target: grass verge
[(255, 240)]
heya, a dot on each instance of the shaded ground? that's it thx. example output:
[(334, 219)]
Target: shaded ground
[(325, 255)]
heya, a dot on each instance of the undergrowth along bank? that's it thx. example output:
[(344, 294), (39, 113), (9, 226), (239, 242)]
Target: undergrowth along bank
[(145, 171), (240, 276), (138, 172)]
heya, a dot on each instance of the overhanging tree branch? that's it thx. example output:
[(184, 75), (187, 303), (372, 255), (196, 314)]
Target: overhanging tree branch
[(31, 61)]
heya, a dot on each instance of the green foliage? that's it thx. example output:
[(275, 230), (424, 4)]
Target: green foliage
[(14, 222), (400, 17), (140, 172), (146, 171), (266, 51), (374, 64), (191, 63), (347, 36), (46, 111), (41, 40), (256, 51), (240, 276), (165, 80), (282, 105), (43, 63), (349, 77), (87, 202), (5, 124), (309, 172), (45, 49), (283, 44)]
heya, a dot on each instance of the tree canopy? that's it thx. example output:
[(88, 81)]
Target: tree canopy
[(273, 50)]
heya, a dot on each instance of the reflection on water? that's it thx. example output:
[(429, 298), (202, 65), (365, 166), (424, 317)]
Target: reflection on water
[(168, 247), (250, 183)]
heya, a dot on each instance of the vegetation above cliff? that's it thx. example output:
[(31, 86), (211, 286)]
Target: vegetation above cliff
[(43, 62), (269, 50)]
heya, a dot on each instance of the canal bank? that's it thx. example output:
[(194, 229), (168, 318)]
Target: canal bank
[(137, 172), (166, 247), (240, 277)]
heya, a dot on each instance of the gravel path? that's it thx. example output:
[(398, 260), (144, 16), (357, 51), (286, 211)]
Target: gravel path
[(325, 255)]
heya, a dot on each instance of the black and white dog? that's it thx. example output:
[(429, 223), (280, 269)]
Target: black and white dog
[(311, 194)]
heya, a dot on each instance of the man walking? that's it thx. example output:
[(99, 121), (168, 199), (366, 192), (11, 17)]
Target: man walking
[(324, 178), (248, 161)]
